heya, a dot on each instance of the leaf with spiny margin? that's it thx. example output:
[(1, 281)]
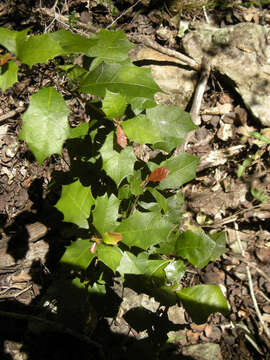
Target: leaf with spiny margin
[(45, 124), (39, 49), (202, 300), (8, 75), (109, 255), (182, 168), (124, 78), (117, 165), (107, 45), (220, 248), (77, 254), (144, 229), (106, 213), (12, 40), (163, 126), (135, 181), (196, 247), (175, 270), (75, 203), (114, 105), (131, 264)]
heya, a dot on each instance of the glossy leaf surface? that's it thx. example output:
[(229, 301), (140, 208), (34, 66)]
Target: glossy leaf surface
[(202, 300), (117, 165), (75, 203), (45, 124)]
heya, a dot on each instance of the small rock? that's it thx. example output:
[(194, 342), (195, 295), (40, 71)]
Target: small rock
[(206, 351)]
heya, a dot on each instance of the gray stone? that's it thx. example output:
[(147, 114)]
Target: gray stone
[(206, 351), (241, 53)]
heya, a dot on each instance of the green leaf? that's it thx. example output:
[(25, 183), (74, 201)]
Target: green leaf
[(220, 248), (124, 78), (72, 43), (131, 264), (38, 49), (75, 203), (114, 105), (163, 126), (202, 300), (144, 229), (109, 255), (12, 40), (106, 213), (110, 46), (45, 125), (182, 168), (161, 200), (79, 131), (8, 75), (107, 46), (257, 194), (196, 247), (175, 270), (117, 165), (135, 181), (174, 212), (139, 104), (78, 254), (155, 268)]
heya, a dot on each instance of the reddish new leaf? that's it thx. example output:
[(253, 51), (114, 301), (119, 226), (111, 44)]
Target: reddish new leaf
[(158, 174), (4, 59), (121, 137)]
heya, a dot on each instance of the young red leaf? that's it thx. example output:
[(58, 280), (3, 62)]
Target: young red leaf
[(158, 174), (121, 137), (4, 59)]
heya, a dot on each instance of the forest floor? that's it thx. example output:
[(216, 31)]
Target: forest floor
[(216, 199)]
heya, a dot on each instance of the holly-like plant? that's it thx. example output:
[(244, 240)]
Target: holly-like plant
[(130, 209)]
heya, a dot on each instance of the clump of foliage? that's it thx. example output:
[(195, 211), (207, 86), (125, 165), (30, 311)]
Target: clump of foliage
[(129, 210)]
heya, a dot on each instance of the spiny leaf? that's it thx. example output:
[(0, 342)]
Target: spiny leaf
[(12, 40), (117, 165), (114, 105), (163, 126), (196, 247), (144, 229), (106, 213), (39, 49), (131, 264), (124, 78), (75, 203), (175, 270), (109, 255), (45, 124), (78, 254), (107, 46), (182, 168), (202, 300), (8, 75)]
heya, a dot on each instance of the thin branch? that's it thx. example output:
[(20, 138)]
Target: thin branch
[(123, 13), (182, 59), (200, 89), (11, 113), (250, 284)]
